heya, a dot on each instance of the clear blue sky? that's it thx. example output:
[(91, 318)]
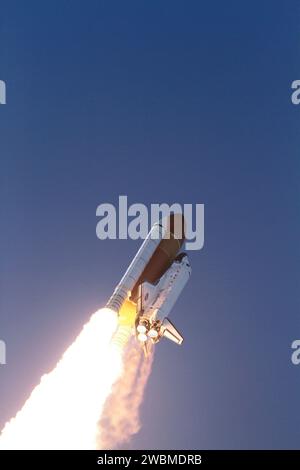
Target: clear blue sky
[(165, 101)]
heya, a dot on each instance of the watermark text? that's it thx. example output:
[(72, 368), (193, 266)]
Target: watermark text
[(2, 352), (295, 357), (134, 221), (2, 92), (295, 97)]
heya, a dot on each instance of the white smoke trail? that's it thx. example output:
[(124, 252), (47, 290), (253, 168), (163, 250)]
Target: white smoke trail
[(63, 410), (120, 418)]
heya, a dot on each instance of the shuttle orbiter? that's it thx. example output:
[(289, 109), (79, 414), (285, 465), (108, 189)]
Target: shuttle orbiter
[(151, 285)]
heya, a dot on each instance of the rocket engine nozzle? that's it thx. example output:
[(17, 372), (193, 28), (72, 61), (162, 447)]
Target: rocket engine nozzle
[(142, 337), (143, 326)]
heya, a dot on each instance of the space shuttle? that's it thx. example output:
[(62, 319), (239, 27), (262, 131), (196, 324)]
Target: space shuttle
[(151, 285)]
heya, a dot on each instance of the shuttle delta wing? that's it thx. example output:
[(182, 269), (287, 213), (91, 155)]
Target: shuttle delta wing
[(169, 331)]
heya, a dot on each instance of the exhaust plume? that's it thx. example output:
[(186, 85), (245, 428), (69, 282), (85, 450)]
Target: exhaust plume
[(120, 418), (75, 406), (63, 410)]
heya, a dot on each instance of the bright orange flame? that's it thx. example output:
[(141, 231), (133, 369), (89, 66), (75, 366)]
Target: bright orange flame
[(63, 410)]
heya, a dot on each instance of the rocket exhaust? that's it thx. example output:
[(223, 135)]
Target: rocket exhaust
[(120, 419), (64, 409)]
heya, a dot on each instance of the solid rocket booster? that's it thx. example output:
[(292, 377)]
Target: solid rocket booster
[(136, 267)]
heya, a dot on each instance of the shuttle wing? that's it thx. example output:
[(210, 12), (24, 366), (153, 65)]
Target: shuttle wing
[(170, 332)]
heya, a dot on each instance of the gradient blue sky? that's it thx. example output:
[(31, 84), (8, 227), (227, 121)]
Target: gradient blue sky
[(165, 101)]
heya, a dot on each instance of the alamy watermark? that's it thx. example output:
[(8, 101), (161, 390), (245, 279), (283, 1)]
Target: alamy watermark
[(2, 352), (295, 97), (2, 92), (295, 357), (135, 221)]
